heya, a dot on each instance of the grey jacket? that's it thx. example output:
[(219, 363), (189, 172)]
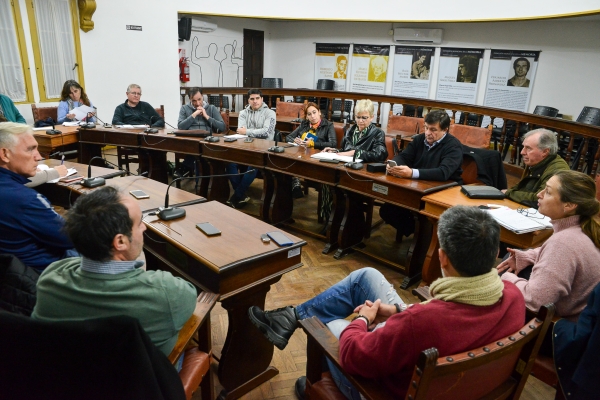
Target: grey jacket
[(214, 122), (259, 123)]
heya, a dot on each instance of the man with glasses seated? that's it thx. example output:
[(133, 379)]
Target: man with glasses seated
[(136, 112), (541, 163), (435, 155)]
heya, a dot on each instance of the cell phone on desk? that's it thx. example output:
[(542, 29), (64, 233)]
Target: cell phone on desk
[(139, 194), (208, 229), (280, 238)]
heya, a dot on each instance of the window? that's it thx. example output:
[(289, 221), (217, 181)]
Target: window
[(55, 38), (15, 81)]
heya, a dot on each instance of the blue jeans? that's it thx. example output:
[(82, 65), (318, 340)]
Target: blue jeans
[(339, 301), (240, 183)]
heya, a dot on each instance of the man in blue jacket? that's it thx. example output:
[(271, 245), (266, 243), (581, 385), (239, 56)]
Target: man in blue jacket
[(29, 228)]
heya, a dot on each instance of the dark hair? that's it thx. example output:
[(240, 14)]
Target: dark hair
[(438, 116), (254, 91), (470, 237), (579, 189), (66, 91), (521, 59), (193, 90), (309, 104), (94, 221), (471, 64)]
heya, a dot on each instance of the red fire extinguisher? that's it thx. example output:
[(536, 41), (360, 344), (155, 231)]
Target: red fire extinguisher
[(184, 70)]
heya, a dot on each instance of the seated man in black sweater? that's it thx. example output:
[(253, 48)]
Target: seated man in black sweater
[(434, 155)]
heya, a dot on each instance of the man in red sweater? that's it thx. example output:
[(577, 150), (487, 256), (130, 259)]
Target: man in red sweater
[(471, 307)]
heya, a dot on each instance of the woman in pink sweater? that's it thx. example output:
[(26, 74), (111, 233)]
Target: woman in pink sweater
[(566, 268)]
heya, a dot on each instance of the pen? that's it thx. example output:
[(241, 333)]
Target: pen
[(62, 160)]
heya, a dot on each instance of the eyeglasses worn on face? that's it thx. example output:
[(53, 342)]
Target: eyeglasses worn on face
[(362, 117), (135, 93)]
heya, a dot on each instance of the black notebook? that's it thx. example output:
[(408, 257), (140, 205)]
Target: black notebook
[(482, 192)]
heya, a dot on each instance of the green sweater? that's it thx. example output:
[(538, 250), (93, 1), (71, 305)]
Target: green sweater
[(534, 179), (161, 302), (10, 111)]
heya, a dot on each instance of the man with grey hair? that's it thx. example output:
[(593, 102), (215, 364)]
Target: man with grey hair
[(136, 112), (541, 163), (29, 228), (471, 307)]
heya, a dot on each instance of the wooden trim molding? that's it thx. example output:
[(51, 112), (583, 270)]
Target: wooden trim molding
[(86, 11)]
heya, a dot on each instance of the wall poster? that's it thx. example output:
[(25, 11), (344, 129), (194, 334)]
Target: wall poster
[(412, 72), (510, 79), (369, 68), (331, 62), (459, 74)]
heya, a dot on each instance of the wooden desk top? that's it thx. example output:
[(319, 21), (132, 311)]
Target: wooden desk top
[(233, 260), (252, 153), (48, 143), (297, 161), (406, 193), (437, 203)]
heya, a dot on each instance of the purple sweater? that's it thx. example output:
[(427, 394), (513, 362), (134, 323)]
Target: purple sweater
[(566, 268)]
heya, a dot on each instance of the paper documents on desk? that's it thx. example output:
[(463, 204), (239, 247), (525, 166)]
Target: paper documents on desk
[(126, 126), (71, 123), (70, 172), (333, 156), (520, 222), (82, 111), (236, 136)]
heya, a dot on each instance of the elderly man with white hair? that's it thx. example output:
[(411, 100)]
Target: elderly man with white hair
[(29, 228)]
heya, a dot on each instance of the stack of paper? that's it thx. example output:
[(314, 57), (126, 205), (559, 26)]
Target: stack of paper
[(333, 156), (519, 222)]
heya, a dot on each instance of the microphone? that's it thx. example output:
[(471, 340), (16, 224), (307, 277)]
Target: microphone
[(104, 124), (166, 123), (150, 129), (276, 149), (210, 138), (354, 164), (53, 131), (63, 153), (90, 182), (167, 213), (86, 124)]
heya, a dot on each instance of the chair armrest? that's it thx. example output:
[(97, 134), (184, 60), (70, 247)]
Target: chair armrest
[(320, 341), (204, 304), (422, 293)]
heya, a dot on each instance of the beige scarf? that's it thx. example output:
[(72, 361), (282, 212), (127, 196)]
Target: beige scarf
[(481, 290)]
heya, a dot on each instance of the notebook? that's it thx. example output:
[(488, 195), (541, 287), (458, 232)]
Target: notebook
[(481, 192), (521, 222), (192, 132)]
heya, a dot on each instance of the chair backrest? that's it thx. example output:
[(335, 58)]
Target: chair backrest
[(472, 119), (93, 359), (405, 124), (325, 84), (390, 143), (546, 111), (161, 111), (220, 102), (589, 115), (469, 170), (272, 82), (472, 136), (287, 109), (340, 130), (409, 110), (41, 113), (225, 116), (497, 370)]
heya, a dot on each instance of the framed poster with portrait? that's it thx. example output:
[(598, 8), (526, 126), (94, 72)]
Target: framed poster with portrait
[(331, 62)]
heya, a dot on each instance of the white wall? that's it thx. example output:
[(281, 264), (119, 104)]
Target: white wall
[(567, 75)]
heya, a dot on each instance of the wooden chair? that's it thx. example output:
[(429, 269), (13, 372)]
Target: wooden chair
[(288, 109), (41, 113), (102, 358), (498, 370), (471, 136), (124, 153), (405, 124)]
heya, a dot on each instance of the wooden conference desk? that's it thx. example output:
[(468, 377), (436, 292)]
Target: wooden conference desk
[(237, 265), (437, 203), (47, 144)]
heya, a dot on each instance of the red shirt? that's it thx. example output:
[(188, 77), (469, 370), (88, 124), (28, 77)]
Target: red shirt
[(389, 354)]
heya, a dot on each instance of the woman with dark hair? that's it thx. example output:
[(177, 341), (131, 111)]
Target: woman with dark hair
[(72, 96), (468, 67), (315, 132), (566, 268)]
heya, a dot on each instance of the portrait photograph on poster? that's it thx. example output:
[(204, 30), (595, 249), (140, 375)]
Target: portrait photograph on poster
[(510, 79), (369, 67), (331, 62), (459, 69), (412, 72)]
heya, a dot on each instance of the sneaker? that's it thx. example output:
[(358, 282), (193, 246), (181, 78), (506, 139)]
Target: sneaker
[(277, 325), (233, 202), (297, 192), (245, 201), (300, 387)]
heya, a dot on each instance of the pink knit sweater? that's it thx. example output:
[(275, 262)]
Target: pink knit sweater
[(566, 268)]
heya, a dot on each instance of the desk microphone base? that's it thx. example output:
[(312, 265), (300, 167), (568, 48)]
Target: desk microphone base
[(169, 213), (212, 139), (354, 165), (92, 182), (276, 149)]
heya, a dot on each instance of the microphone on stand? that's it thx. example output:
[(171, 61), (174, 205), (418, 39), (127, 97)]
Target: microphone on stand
[(63, 153), (90, 182), (53, 131), (87, 124), (276, 149), (104, 124), (167, 213), (354, 164), (150, 129)]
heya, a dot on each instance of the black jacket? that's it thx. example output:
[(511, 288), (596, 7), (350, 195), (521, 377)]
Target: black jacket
[(325, 133), (490, 168), (142, 114), (441, 163), (371, 147), (17, 285)]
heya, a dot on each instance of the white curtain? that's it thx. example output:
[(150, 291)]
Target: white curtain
[(12, 80), (57, 47)]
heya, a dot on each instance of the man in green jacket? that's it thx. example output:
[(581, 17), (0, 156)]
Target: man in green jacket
[(541, 161), (8, 111)]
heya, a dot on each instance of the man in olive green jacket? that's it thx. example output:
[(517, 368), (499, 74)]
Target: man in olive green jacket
[(542, 162)]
